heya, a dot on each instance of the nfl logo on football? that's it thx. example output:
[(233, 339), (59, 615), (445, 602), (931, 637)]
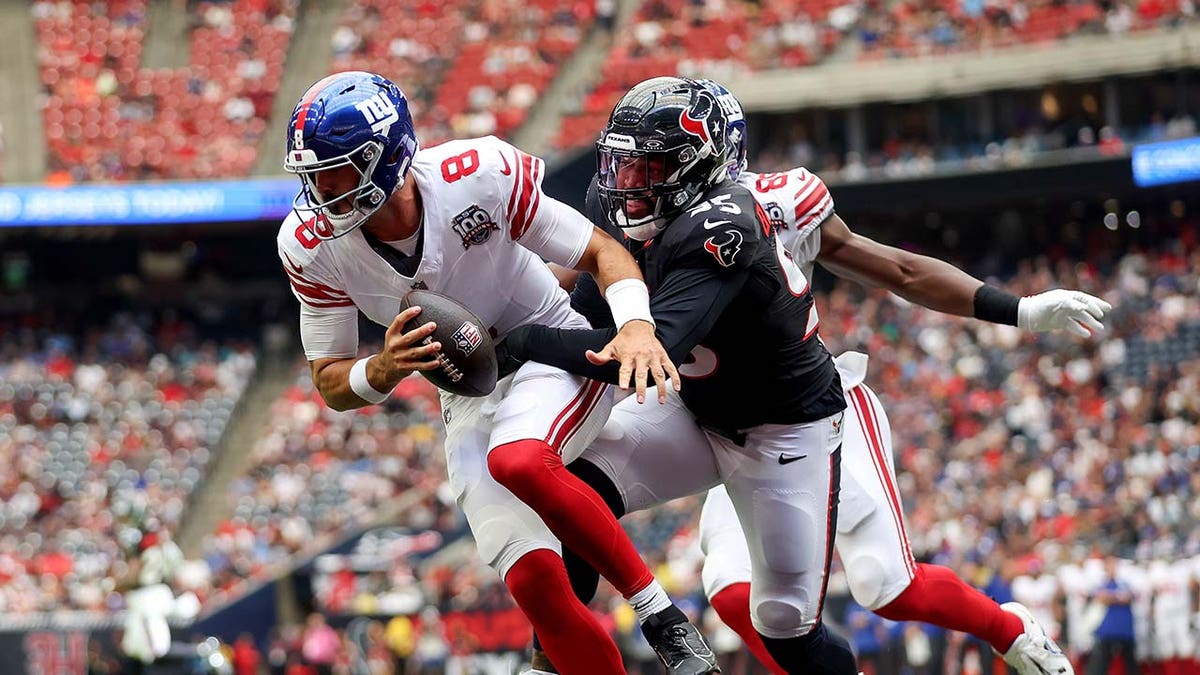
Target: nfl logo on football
[(467, 338), (474, 226)]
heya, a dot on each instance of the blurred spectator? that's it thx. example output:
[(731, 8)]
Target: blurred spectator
[(869, 637), (321, 644), (606, 14), (1115, 634), (432, 650), (401, 637), (318, 474), (246, 659)]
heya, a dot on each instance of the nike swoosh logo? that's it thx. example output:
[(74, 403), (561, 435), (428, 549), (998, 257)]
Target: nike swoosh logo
[(507, 170), (784, 459), (709, 224), (299, 268)]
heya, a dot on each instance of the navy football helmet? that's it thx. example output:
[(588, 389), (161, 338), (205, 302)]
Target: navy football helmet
[(352, 119), (663, 149), (735, 131)]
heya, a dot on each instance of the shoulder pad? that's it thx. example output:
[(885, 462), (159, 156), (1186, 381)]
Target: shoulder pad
[(495, 175), (306, 269), (722, 230), (795, 200)]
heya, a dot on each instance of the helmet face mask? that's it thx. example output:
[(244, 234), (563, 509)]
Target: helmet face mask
[(663, 149), (639, 189), (349, 121), (345, 210)]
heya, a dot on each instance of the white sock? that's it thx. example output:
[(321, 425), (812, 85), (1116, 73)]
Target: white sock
[(649, 601)]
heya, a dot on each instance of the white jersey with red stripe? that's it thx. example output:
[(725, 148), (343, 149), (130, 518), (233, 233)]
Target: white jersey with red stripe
[(797, 203), (1170, 583), (1038, 594), (1171, 612), (1079, 583), (485, 226)]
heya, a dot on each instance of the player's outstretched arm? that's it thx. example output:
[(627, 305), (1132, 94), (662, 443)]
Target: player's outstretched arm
[(635, 347), (347, 383), (940, 286), (685, 307)]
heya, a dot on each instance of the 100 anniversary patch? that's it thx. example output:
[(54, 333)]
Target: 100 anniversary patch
[(474, 226)]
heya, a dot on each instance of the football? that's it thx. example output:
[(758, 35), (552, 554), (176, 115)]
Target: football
[(468, 354)]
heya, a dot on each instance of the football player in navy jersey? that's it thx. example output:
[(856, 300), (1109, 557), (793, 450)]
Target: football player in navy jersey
[(761, 409), (872, 542)]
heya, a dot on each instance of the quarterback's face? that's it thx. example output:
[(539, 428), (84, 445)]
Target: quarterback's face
[(640, 173), (336, 181)]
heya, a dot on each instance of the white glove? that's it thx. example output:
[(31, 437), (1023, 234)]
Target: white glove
[(1060, 309)]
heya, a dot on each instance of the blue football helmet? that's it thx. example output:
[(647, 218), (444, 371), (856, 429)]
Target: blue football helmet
[(735, 131), (350, 119)]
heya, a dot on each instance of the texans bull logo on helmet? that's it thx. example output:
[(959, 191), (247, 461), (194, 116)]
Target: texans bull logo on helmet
[(695, 121)]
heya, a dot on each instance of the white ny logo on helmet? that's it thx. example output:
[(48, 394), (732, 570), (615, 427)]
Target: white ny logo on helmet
[(379, 112)]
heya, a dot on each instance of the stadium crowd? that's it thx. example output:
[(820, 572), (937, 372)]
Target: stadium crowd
[(108, 116), (725, 39), (317, 475), (469, 68), (789, 143), (105, 434), (477, 68)]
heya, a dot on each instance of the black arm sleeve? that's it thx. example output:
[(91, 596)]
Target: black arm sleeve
[(588, 301), (685, 308)]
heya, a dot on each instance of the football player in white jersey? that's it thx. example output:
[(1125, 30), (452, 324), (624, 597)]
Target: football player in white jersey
[(377, 217), (1039, 592), (1171, 615), (872, 542), (1078, 583)]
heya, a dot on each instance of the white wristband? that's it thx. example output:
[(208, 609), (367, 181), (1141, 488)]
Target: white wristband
[(361, 386), (629, 300)]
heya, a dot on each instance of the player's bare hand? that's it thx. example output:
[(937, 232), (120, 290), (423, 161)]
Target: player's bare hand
[(1073, 311), (403, 352), (642, 357)]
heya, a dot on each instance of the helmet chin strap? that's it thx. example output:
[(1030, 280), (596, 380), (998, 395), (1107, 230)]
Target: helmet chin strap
[(344, 223), (643, 231)]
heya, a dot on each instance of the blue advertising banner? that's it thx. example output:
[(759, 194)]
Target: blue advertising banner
[(1168, 162), (147, 203)]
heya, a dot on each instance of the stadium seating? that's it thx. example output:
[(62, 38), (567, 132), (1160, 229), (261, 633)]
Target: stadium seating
[(723, 39), (318, 475), (107, 117), (105, 437), (470, 68)]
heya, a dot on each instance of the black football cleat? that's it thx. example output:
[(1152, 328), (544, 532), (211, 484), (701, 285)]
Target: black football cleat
[(679, 645)]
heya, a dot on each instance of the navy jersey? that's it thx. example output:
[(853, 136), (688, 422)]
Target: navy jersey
[(730, 307)]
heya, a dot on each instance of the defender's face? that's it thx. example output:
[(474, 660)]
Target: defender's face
[(640, 173)]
